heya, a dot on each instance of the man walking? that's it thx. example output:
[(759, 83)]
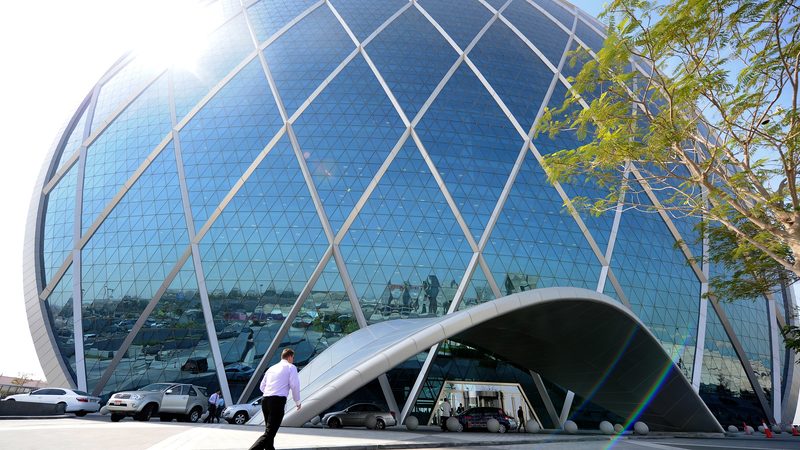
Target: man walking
[(278, 381)]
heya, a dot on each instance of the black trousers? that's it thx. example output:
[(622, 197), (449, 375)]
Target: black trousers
[(272, 407), (212, 412)]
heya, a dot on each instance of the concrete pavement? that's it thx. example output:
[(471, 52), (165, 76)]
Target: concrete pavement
[(98, 432)]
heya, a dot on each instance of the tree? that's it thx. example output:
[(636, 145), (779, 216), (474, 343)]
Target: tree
[(696, 100)]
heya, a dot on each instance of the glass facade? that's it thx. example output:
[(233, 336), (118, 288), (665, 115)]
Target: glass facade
[(391, 180)]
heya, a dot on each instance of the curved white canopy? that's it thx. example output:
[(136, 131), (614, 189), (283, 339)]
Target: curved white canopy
[(579, 339)]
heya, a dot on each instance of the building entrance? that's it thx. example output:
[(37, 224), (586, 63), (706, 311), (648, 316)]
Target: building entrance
[(463, 395)]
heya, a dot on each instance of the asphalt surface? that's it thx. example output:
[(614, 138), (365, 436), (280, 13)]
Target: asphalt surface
[(97, 432)]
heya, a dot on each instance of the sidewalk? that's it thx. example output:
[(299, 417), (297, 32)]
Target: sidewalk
[(224, 437)]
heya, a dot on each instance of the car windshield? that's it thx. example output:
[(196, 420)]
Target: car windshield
[(81, 393), (155, 387)]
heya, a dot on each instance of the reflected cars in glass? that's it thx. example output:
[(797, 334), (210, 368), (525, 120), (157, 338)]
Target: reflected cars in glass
[(78, 402), (184, 402), (241, 413), (476, 418), (357, 415), (238, 372)]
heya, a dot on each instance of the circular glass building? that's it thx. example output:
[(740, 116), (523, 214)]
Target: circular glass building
[(327, 165)]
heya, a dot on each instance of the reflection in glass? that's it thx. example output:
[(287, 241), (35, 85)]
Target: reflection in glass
[(60, 312), (128, 258)]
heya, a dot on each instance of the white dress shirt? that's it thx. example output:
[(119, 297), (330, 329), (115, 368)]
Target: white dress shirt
[(280, 379), (213, 399)]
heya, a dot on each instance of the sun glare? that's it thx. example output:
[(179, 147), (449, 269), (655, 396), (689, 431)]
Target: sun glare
[(177, 34)]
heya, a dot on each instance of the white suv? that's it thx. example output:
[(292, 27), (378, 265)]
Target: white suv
[(185, 402)]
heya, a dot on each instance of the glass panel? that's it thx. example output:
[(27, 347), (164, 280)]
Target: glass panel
[(172, 346), (413, 58), (473, 145), (548, 37), (724, 386), (258, 256), (405, 246), (496, 4), (556, 9), (574, 62), (325, 317), (58, 227), (225, 49), (478, 291), (122, 148), (401, 377), (345, 136), (589, 36), (60, 312), (580, 190), (305, 55), (536, 243), (518, 76), (127, 259), (228, 8), (660, 285), (74, 142), (462, 24), (750, 322), (118, 90), (269, 16), (224, 138), (365, 16)]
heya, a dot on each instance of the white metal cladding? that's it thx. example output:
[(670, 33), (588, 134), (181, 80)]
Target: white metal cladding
[(54, 366)]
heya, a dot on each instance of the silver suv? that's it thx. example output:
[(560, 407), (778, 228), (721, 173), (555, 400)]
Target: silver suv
[(185, 402)]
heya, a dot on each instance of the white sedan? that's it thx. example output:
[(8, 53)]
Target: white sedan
[(77, 402)]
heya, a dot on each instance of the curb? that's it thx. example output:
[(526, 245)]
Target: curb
[(61, 416)]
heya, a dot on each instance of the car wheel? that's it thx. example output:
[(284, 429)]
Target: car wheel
[(9, 400), (194, 415), (380, 425), (240, 418), (145, 414), (116, 417), (334, 423), (502, 429), (80, 413)]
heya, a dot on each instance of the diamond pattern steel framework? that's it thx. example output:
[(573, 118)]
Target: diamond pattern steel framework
[(414, 91)]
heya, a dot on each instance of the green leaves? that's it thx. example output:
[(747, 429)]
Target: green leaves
[(700, 96)]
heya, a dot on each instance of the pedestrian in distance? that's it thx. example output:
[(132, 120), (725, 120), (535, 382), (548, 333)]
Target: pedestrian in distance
[(446, 410), (460, 408), (220, 407), (521, 417), (212, 407), (276, 384)]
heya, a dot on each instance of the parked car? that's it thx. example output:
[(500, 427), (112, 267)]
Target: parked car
[(238, 372), (185, 402), (241, 413), (356, 416), (77, 402), (196, 364), (475, 418)]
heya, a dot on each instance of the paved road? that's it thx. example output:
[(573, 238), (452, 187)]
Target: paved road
[(98, 433), (750, 443)]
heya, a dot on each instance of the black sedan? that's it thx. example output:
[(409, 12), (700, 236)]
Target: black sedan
[(476, 418)]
